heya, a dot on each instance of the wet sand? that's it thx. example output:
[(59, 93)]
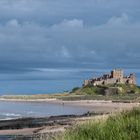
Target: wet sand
[(55, 128)]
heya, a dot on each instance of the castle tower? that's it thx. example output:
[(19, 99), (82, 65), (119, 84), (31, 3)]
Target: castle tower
[(86, 82), (117, 73), (133, 79)]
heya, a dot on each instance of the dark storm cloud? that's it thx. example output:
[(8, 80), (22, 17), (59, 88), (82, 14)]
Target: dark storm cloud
[(78, 35)]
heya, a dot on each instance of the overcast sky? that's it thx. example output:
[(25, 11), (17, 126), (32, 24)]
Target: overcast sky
[(60, 39)]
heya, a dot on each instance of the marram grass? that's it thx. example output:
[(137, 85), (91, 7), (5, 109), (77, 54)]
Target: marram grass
[(124, 126)]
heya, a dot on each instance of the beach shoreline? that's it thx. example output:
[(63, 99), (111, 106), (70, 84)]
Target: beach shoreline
[(93, 105)]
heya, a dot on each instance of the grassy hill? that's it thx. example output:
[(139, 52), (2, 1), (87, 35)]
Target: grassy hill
[(113, 89)]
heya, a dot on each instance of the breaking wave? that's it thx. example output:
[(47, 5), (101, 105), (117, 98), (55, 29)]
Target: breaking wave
[(11, 115)]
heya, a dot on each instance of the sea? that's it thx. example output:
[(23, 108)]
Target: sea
[(28, 87), (13, 110)]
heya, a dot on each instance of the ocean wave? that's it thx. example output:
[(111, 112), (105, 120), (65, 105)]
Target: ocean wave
[(11, 115), (31, 112), (7, 118)]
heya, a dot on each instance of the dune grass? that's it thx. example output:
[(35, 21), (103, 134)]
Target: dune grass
[(124, 126), (34, 97)]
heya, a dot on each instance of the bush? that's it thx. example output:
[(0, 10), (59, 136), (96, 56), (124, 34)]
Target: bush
[(75, 89)]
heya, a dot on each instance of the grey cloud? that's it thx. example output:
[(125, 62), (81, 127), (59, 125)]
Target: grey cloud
[(68, 34)]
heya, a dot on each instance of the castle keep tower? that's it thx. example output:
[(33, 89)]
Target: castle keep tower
[(117, 73)]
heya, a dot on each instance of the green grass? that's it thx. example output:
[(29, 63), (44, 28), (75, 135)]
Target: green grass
[(100, 90), (37, 96), (128, 88), (124, 126), (88, 90), (115, 98)]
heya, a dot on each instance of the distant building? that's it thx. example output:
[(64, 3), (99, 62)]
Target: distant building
[(115, 76)]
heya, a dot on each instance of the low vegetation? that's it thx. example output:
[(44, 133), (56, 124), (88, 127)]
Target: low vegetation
[(127, 98), (34, 97), (110, 89), (124, 126), (115, 92)]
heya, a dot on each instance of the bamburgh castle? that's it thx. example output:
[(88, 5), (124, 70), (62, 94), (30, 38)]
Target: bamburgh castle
[(115, 77)]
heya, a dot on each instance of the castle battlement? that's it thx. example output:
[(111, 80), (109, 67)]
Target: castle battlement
[(114, 77)]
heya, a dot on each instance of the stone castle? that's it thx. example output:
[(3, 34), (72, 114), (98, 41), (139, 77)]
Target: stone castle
[(115, 77)]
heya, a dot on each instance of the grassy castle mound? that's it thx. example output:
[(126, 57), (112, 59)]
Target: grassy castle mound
[(111, 89)]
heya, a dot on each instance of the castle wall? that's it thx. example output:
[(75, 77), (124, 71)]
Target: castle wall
[(96, 83), (111, 81), (129, 80)]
